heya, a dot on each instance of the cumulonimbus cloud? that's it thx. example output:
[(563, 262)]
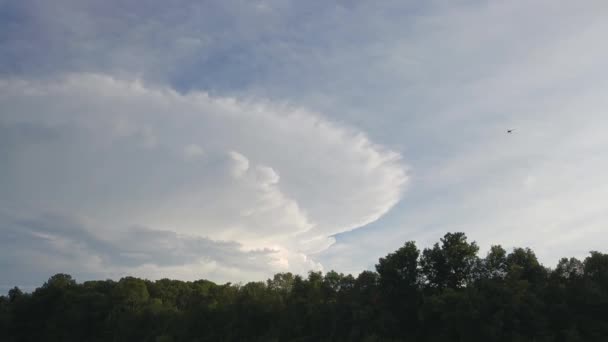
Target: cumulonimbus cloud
[(266, 176)]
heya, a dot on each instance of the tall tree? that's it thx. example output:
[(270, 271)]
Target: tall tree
[(450, 265)]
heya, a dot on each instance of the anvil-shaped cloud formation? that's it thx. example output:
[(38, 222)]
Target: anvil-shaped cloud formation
[(118, 177)]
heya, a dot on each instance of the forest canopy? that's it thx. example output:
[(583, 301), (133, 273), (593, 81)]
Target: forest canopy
[(443, 293)]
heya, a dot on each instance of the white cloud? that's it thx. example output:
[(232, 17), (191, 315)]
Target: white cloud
[(241, 164), (193, 152), (439, 80), (273, 177)]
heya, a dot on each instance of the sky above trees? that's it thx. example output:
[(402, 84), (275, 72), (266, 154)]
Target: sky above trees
[(231, 140)]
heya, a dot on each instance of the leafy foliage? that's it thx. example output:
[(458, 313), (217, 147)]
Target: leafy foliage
[(444, 293)]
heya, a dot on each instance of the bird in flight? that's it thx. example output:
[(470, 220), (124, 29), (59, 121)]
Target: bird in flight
[(510, 130)]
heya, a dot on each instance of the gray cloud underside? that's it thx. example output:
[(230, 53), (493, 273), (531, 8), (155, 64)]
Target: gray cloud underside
[(67, 238), (36, 247)]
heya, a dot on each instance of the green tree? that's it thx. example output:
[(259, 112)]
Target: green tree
[(596, 268), (59, 281), (131, 293), (399, 269), (495, 263), (569, 268), (444, 293), (450, 265), (14, 294), (522, 263)]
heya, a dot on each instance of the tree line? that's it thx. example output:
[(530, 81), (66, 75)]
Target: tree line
[(442, 293)]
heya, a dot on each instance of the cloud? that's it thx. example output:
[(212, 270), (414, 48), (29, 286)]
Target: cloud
[(53, 243), (274, 182), (193, 151), (476, 76), (437, 81), (241, 164)]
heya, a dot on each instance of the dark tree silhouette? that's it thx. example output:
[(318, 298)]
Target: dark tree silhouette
[(445, 293)]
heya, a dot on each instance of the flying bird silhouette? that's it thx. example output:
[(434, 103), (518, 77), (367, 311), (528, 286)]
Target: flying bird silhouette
[(510, 130)]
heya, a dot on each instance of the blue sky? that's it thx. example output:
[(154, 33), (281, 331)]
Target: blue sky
[(230, 140)]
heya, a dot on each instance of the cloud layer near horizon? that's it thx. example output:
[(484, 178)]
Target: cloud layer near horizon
[(231, 177)]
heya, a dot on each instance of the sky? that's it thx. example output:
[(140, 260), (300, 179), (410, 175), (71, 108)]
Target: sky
[(231, 140)]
